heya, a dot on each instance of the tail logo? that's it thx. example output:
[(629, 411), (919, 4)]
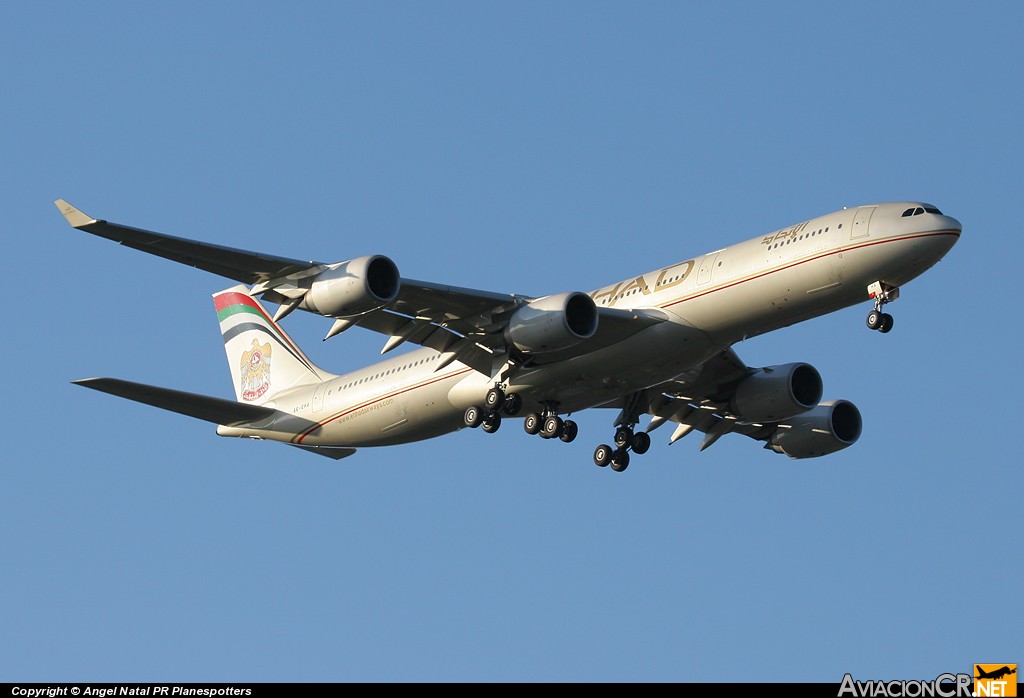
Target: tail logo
[(254, 370)]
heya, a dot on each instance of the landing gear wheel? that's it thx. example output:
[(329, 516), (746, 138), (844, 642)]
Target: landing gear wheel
[(641, 443), (620, 460), (532, 423), (494, 399), (473, 417), (513, 403), (491, 422), (883, 294), (552, 427), (603, 455), (874, 320), (569, 431), (623, 437)]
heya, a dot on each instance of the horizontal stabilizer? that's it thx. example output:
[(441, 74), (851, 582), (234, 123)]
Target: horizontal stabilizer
[(210, 409)]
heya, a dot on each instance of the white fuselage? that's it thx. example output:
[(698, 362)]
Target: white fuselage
[(712, 301)]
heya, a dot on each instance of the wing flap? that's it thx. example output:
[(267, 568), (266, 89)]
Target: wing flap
[(429, 334), (699, 401), (452, 303)]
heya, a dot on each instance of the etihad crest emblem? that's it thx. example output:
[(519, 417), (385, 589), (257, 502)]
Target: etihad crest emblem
[(254, 371)]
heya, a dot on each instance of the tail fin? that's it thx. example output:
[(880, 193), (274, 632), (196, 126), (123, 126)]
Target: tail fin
[(264, 361)]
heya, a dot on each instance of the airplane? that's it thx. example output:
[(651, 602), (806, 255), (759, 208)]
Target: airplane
[(657, 344), (996, 674)]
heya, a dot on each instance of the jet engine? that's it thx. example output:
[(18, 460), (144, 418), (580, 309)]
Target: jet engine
[(353, 287), (777, 392), (553, 322), (829, 427)]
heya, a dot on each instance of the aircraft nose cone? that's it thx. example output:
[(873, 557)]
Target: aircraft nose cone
[(951, 223)]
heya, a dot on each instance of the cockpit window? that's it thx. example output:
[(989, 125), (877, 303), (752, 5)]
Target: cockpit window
[(919, 210), (916, 211)]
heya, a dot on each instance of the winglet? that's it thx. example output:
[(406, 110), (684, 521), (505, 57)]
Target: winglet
[(76, 218)]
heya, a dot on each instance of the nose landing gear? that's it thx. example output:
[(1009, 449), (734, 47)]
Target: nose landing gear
[(882, 293)]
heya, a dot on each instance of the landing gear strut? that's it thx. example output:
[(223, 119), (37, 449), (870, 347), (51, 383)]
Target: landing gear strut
[(882, 293)]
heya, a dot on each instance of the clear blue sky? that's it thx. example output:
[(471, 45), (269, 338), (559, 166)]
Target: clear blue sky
[(528, 147)]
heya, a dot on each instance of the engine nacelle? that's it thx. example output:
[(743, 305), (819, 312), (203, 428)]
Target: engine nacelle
[(553, 322), (829, 427), (353, 287), (778, 392)]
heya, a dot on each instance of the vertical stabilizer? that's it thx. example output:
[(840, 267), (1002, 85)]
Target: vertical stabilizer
[(264, 361)]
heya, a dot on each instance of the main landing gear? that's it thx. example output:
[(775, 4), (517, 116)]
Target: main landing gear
[(550, 426), (496, 402), (625, 440), (882, 293)]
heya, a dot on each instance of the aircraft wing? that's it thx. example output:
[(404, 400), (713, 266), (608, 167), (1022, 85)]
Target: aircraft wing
[(240, 265), (467, 324), (701, 400), (476, 345), (451, 304), (416, 298)]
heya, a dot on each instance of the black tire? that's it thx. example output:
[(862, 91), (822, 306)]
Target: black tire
[(473, 417), (620, 460), (603, 455), (874, 320), (492, 422), (552, 428), (569, 431), (513, 404), (532, 423), (494, 399), (887, 323), (623, 437), (641, 443)]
